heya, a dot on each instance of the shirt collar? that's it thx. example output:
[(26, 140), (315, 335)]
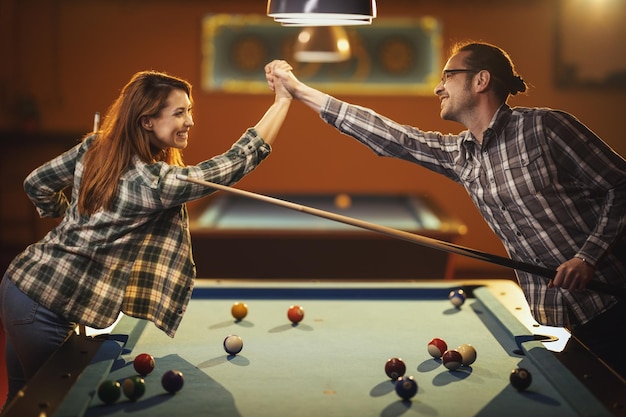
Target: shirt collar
[(497, 124), (496, 127)]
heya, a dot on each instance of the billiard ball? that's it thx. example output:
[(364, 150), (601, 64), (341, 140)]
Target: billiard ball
[(134, 387), (457, 298), (343, 201), (143, 364), (395, 368), (468, 354), (233, 344), (172, 381), (452, 359), (109, 391), (239, 310), (406, 387), (436, 347), (520, 378), (295, 314)]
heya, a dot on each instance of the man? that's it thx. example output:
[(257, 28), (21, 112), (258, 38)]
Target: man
[(551, 190)]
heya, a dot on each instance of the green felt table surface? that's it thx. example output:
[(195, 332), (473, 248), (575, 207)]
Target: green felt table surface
[(332, 363)]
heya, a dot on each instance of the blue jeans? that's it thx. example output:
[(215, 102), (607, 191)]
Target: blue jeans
[(32, 332)]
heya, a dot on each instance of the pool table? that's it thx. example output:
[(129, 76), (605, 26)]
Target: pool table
[(332, 362), (226, 226)]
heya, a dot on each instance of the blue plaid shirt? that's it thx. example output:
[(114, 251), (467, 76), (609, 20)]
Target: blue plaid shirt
[(135, 258), (548, 187)]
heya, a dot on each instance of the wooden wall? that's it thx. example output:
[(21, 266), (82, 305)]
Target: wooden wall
[(72, 57)]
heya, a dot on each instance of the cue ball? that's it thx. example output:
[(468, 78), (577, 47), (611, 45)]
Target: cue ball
[(406, 387), (520, 379), (109, 391), (173, 381), (233, 344), (134, 387), (468, 354), (143, 364), (452, 359), (395, 368), (437, 347), (343, 201), (239, 310), (457, 298), (295, 314)]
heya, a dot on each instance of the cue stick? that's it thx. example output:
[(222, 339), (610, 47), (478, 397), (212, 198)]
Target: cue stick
[(96, 121), (407, 236)]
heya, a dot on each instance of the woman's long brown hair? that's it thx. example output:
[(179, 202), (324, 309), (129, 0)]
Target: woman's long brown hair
[(122, 137)]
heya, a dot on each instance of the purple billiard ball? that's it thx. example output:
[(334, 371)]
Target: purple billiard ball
[(172, 381)]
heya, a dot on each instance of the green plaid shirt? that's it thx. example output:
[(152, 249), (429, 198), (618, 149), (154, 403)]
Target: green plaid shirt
[(135, 258)]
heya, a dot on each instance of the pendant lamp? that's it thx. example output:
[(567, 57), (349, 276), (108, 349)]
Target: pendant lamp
[(322, 12)]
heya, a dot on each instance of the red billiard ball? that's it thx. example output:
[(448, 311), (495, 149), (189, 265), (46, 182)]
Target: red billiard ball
[(172, 381), (109, 391), (134, 387), (520, 378), (144, 364), (436, 347), (406, 387), (295, 314), (452, 359), (395, 368)]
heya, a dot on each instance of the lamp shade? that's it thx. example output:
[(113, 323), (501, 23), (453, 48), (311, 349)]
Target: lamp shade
[(322, 12), (322, 44)]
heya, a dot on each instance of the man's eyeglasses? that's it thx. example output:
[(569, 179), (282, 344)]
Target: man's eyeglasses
[(447, 73)]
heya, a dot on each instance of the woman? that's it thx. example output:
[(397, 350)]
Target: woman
[(123, 243)]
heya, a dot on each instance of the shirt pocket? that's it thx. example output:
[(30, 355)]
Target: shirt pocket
[(529, 173)]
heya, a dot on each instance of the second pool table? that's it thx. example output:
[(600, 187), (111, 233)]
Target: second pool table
[(225, 226)]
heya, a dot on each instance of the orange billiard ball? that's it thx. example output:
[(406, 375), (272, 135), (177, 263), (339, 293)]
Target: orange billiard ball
[(239, 310)]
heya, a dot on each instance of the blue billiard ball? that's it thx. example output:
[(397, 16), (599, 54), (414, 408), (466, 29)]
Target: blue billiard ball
[(457, 298), (406, 387)]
